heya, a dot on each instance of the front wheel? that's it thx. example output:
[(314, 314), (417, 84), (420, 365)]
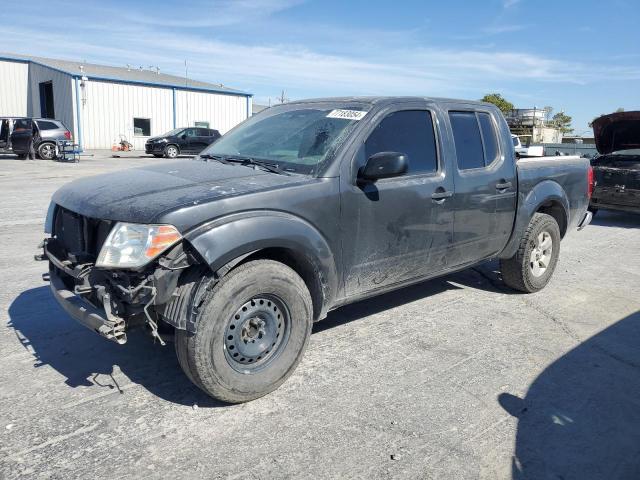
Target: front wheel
[(171, 151), (531, 268), (252, 330)]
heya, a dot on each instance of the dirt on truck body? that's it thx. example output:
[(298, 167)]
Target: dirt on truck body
[(301, 209)]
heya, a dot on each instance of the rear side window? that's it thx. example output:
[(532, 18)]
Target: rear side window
[(466, 135), (489, 138), (475, 139), (409, 132), (43, 125)]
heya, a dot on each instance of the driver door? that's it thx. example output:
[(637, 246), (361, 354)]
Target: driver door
[(21, 135), (398, 229)]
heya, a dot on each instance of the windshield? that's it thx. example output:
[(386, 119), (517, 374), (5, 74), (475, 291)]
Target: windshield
[(295, 139), (173, 132)]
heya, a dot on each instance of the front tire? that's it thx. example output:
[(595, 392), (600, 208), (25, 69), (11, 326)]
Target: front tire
[(531, 268), (171, 151), (252, 330)]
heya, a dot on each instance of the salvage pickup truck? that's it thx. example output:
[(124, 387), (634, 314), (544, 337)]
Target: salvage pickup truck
[(617, 169), (299, 210)]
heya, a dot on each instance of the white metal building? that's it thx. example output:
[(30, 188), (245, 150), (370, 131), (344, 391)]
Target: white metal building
[(100, 103)]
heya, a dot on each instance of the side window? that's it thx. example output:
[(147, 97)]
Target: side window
[(44, 125), (202, 132), (410, 132), (489, 138), (191, 132), (466, 135)]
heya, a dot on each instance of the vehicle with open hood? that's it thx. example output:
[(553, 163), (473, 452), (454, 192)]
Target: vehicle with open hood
[(617, 167), (303, 208)]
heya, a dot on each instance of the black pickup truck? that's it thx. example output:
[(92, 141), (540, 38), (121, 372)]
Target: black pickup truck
[(617, 169), (303, 208)]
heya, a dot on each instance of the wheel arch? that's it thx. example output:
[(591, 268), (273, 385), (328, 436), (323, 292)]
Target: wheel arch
[(547, 197), (227, 243)]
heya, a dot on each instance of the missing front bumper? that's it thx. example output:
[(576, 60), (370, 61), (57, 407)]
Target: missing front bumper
[(87, 314)]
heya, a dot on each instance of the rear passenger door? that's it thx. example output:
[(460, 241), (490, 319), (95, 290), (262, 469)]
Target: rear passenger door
[(200, 140), (485, 179)]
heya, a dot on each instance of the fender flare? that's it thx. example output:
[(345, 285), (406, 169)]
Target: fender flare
[(224, 240), (541, 194)]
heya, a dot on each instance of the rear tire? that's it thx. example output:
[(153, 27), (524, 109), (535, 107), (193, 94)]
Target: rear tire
[(252, 330), (47, 151), (531, 268)]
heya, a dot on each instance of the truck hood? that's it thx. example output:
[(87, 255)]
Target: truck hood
[(141, 195), (617, 131)]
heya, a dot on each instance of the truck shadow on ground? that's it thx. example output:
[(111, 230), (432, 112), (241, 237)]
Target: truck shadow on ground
[(612, 218), (580, 418), (87, 360)]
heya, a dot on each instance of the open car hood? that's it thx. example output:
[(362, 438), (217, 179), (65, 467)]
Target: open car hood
[(617, 131)]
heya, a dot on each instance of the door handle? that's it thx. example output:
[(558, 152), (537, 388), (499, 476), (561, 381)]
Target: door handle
[(440, 196), (503, 185)]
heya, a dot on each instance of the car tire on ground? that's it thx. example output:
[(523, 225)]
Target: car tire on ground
[(171, 151), (47, 151), (252, 330), (531, 268)]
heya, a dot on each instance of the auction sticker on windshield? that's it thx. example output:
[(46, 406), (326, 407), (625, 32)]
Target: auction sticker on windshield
[(347, 114)]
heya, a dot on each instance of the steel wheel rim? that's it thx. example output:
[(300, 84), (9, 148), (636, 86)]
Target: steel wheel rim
[(257, 333), (541, 254), (47, 151)]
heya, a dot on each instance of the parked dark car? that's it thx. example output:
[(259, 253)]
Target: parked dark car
[(617, 168), (15, 134), (301, 209), (181, 140)]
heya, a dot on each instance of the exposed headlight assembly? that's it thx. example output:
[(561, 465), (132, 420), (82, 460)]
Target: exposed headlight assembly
[(132, 245)]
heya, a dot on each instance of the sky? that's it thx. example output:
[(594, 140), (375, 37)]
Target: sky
[(581, 57)]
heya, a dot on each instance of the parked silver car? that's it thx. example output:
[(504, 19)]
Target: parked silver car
[(16, 131)]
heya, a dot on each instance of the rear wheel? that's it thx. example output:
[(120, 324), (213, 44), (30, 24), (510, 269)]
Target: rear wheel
[(252, 330), (531, 268), (47, 151), (171, 151)]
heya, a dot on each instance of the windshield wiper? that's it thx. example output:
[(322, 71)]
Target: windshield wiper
[(220, 158), (248, 161)]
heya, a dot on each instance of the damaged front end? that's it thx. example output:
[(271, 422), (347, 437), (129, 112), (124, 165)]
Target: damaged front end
[(88, 283)]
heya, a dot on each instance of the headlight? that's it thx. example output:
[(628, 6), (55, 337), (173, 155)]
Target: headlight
[(131, 245)]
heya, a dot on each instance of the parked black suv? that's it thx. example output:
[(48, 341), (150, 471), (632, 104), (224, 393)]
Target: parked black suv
[(181, 140)]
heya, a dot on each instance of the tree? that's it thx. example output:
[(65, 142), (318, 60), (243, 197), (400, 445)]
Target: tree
[(547, 113), (619, 110), (562, 122), (499, 101)]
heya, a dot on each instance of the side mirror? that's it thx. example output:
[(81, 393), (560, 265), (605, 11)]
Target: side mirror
[(384, 165), (183, 136)]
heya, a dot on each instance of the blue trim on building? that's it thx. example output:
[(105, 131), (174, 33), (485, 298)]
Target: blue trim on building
[(133, 82), (78, 115), (174, 108)]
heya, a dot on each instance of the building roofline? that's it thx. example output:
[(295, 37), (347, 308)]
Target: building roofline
[(102, 78)]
